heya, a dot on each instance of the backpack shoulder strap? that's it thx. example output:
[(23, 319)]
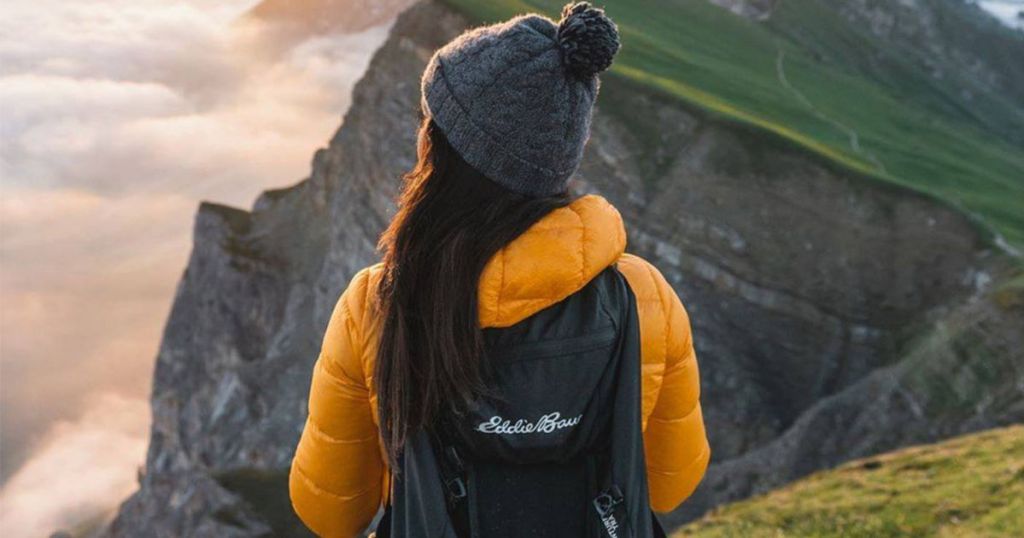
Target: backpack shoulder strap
[(622, 503), (419, 500), (452, 470)]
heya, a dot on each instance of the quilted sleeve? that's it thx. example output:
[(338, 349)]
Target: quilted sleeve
[(675, 442), (335, 482)]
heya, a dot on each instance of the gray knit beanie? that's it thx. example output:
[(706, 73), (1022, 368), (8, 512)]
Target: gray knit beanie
[(515, 99)]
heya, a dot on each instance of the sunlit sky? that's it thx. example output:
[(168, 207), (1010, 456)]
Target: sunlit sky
[(118, 116)]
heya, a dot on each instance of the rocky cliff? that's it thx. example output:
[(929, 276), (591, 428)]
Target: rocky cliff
[(834, 316)]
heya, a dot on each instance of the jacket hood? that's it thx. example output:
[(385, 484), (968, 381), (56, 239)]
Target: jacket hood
[(550, 261)]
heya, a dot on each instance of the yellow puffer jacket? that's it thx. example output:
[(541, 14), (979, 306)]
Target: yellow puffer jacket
[(338, 477)]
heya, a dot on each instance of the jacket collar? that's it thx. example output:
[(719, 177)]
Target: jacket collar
[(550, 261)]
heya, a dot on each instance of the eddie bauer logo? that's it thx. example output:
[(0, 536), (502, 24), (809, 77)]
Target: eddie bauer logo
[(545, 424)]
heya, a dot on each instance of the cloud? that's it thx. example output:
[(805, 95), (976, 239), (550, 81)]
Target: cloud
[(86, 283), (118, 117), (117, 96), (81, 469)]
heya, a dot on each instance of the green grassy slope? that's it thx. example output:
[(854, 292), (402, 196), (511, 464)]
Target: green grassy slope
[(896, 59), (971, 486), (768, 75), (266, 491)]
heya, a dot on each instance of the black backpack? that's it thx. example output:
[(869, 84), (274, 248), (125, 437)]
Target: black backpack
[(557, 451)]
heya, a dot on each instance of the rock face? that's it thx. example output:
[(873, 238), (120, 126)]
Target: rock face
[(964, 374), (199, 505), (808, 288)]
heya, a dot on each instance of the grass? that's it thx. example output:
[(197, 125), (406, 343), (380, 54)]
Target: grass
[(971, 486), (266, 491), (894, 125)]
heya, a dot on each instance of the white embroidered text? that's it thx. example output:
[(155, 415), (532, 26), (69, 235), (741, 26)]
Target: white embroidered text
[(545, 424)]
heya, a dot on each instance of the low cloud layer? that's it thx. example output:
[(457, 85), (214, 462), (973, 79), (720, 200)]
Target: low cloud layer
[(118, 97), (78, 469), (118, 117)]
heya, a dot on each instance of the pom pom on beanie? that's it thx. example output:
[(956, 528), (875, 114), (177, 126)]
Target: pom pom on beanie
[(588, 38)]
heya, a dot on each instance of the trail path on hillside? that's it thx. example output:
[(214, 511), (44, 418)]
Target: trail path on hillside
[(851, 133)]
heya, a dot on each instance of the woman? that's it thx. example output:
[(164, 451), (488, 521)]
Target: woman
[(486, 237)]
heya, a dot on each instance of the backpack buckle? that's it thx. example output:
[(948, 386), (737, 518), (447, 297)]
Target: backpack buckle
[(606, 502), (456, 488)]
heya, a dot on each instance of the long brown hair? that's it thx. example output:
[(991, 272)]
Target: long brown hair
[(451, 220)]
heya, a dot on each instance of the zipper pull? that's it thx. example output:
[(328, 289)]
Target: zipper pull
[(606, 502)]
